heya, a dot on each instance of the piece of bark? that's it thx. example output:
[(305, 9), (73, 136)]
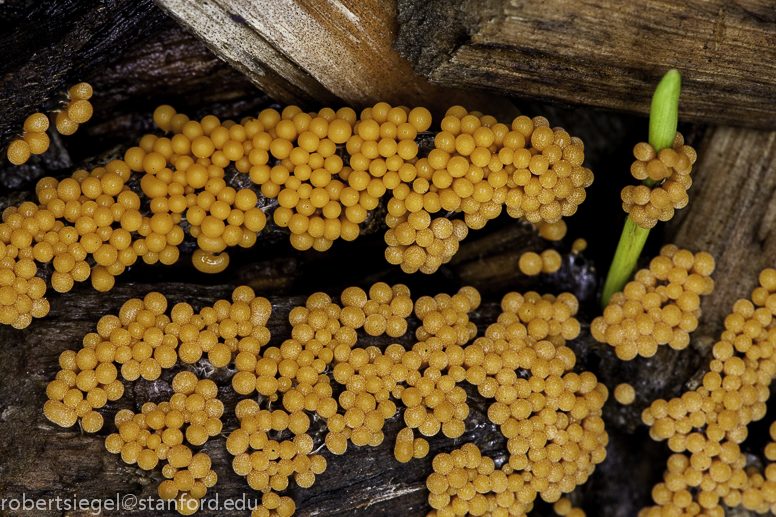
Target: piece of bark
[(169, 67), (313, 53), (605, 54), (732, 215), (58, 44)]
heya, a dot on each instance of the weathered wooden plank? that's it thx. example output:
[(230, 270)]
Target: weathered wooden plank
[(227, 34), (333, 52), (605, 54)]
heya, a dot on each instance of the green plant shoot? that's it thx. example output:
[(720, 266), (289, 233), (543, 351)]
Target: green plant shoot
[(663, 119)]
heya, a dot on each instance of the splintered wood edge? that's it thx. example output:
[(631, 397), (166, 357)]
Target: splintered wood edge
[(236, 42), (335, 53)]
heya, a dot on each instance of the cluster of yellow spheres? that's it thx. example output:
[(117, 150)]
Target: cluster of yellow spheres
[(86, 214), (408, 447), (21, 291), (35, 140), (437, 363), (184, 175), (551, 417), (156, 434), (416, 243), (143, 340), (225, 330), (368, 377), (324, 332), (478, 166), (320, 199), (267, 463), (292, 156), (660, 306), (130, 340), (466, 483), (135, 340), (78, 110), (548, 261), (532, 263), (671, 167), (706, 426)]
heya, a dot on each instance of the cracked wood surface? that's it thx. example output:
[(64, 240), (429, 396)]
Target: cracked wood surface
[(602, 54), (309, 52)]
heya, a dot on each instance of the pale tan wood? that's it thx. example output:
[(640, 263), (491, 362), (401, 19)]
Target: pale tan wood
[(322, 51), (239, 45), (607, 54)]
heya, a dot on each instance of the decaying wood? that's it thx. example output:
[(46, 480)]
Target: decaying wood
[(58, 44), (169, 67), (605, 54), (732, 215), (41, 460), (313, 53)]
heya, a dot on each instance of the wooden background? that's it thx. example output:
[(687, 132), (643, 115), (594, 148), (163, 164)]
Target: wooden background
[(589, 66)]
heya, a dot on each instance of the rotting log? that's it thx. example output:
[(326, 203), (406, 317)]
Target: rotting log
[(42, 460), (731, 196), (732, 215), (330, 53), (57, 44), (605, 54)]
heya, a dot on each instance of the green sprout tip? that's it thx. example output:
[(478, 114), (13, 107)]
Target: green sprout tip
[(663, 119)]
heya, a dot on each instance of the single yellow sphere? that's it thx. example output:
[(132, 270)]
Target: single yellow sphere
[(18, 152), (624, 394), (36, 123), (65, 125), (81, 91), (80, 111)]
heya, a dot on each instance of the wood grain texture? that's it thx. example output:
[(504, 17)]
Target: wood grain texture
[(732, 215), (58, 44), (311, 53), (169, 67), (226, 33), (601, 53)]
